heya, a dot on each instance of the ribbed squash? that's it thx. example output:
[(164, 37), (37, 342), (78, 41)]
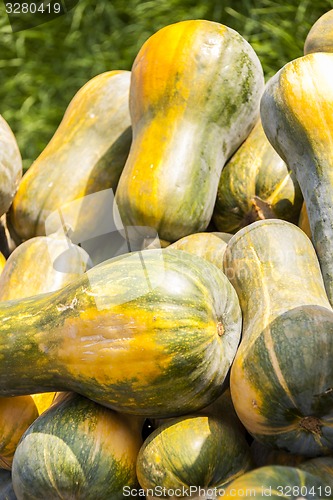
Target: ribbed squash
[(320, 36), (256, 184), (195, 89), (277, 482), (41, 264), (10, 166), (210, 246), (321, 467), (150, 333), (282, 377), (77, 449), (6, 486), (207, 450), (297, 116), (85, 155)]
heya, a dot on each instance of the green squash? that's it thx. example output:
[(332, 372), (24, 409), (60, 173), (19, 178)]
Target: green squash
[(10, 166), (210, 246), (281, 378), (86, 155), (266, 455), (256, 184), (321, 467), (194, 97), (150, 333), (320, 36), (77, 449), (201, 450), (277, 482), (297, 116)]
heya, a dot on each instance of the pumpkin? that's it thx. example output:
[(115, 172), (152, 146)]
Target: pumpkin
[(6, 486), (256, 184), (85, 155), (297, 116), (210, 246), (41, 264), (77, 449), (282, 375), (194, 97), (277, 481), (200, 450), (10, 166), (321, 467), (320, 36), (150, 333)]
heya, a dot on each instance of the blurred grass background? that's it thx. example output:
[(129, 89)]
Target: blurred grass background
[(42, 68)]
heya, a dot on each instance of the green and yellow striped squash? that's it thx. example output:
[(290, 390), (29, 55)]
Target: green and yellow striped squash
[(77, 449), (276, 482), (320, 36), (86, 155), (201, 450), (41, 264), (282, 375), (321, 467), (10, 166), (6, 486), (297, 116), (194, 97), (209, 246), (150, 333), (255, 184)]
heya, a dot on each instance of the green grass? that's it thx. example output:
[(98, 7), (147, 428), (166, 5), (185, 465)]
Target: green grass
[(42, 68)]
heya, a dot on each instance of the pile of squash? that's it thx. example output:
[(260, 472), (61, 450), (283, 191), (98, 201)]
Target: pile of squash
[(166, 286)]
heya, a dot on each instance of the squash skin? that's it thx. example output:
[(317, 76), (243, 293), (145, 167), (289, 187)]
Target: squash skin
[(209, 246), (265, 482), (321, 467), (280, 389), (10, 166), (77, 449), (320, 36), (6, 486), (301, 134), (114, 339), (265, 455), (2, 262), (94, 135), (194, 450), (256, 184), (303, 221), (194, 96), (41, 264), (29, 271)]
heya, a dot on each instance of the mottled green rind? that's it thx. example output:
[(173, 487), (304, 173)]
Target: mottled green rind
[(277, 482), (187, 303), (62, 455), (196, 450), (320, 36), (321, 467)]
